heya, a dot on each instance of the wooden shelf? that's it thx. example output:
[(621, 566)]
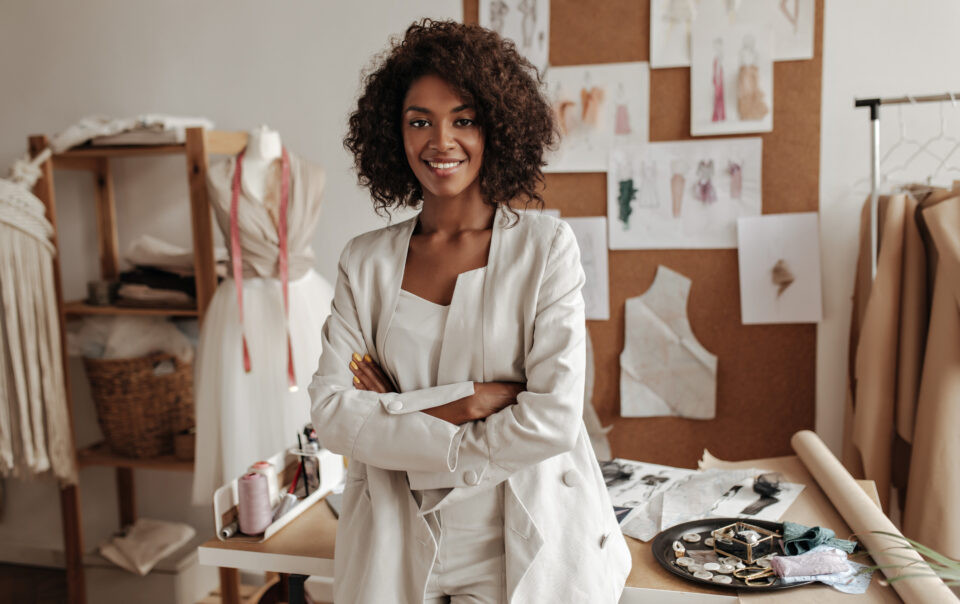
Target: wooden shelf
[(121, 151), (101, 455), (78, 308)]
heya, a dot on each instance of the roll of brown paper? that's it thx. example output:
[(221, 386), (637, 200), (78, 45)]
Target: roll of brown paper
[(864, 517)]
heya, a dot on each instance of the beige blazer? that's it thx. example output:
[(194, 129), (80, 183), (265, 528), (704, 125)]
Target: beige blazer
[(562, 541)]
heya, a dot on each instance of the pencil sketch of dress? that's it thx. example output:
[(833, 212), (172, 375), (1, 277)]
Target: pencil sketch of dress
[(647, 195), (703, 189), (664, 370)]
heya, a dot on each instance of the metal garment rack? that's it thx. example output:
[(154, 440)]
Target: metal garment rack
[(874, 105)]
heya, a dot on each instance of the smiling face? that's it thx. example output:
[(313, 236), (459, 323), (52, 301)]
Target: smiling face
[(441, 138)]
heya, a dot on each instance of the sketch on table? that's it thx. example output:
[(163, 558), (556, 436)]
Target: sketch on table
[(722, 180), (731, 66), (526, 22), (597, 106), (672, 23)]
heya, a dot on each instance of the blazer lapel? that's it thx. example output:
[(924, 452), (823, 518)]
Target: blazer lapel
[(491, 277), (390, 278)]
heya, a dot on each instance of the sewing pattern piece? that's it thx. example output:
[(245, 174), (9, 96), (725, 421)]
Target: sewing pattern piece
[(703, 189), (627, 194), (664, 370)]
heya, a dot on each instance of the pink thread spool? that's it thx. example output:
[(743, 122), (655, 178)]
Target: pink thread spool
[(253, 503)]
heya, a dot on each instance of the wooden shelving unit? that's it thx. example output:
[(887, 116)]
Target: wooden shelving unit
[(96, 160)]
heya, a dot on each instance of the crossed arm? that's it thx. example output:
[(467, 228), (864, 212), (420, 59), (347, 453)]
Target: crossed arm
[(487, 398)]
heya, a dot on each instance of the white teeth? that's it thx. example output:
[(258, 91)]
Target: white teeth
[(443, 166)]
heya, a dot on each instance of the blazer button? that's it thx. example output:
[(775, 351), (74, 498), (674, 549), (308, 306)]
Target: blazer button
[(603, 540), (570, 478), (470, 477), (395, 406)]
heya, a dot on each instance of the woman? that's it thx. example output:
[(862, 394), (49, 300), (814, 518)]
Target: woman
[(453, 361)]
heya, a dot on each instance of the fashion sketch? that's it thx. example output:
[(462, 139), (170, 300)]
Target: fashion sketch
[(677, 180), (719, 107), (703, 189), (621, 121), (750, 103), (647, 195), (735, 172), (627, 194), (498, 12)]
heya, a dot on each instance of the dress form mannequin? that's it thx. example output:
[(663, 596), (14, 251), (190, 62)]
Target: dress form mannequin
[(263, 147)]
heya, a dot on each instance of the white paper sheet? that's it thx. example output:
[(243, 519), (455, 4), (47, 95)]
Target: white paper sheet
[(657, 497), (791, 21), (526, 22), (779, 259), (731, 79), (591, 233), (597, 106), (685, 194)]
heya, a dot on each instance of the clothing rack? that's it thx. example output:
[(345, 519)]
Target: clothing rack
[(874, 105)]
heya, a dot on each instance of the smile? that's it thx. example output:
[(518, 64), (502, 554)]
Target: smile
[(444, 165)]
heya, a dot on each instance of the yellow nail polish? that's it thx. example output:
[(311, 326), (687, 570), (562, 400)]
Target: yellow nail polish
[(368, 358), (353, 366), (356, 380), (357, 357)]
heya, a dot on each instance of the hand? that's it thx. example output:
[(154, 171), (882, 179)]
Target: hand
[(487, 398), (367, 375)]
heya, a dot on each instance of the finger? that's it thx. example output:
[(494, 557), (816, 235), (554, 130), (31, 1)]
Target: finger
[(380, 374), (360, 380), (367, 376)]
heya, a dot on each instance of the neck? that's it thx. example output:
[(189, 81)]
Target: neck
[(455, 214), (263, 144)]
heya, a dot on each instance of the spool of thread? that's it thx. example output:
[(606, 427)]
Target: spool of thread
[(255, 511), (267, 469), (228, 531)]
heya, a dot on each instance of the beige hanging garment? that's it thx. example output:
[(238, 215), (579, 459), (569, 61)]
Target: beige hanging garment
[(932, 514), (35, 435)]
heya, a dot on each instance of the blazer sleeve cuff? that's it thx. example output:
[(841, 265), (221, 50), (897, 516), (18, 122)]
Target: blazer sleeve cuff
[(427, 398)]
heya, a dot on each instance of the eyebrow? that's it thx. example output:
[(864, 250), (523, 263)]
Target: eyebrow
[(418, 109)]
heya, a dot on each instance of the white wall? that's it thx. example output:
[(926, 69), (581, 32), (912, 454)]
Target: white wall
[(293, 65), (876, 48)]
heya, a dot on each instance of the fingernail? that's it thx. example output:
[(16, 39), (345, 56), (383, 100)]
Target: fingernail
[(353, 366), (356, 380), (356, 357), (368, 358)]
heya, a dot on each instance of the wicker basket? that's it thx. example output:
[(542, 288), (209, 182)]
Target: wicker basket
[(138, 410)]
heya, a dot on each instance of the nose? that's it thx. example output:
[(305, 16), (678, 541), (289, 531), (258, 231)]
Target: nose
[(442, 138)]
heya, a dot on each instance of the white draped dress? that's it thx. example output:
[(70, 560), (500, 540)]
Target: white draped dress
[(245, 417)]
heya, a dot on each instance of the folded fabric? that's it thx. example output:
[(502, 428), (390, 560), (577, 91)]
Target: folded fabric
[(823, 561), (799, 539), (854, 580), (160, 279), (144, 294), (145, 543)]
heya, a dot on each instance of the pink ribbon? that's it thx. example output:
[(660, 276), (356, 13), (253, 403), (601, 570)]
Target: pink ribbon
[(282, 261)]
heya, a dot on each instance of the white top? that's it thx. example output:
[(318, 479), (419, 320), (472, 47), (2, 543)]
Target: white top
[(411, 351)]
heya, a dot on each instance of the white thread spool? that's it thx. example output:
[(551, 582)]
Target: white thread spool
[(270, 472), (254, 510)]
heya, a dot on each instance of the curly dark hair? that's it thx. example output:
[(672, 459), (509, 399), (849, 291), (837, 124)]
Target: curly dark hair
[(505, 89)]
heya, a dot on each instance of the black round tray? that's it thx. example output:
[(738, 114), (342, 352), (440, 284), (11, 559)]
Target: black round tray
[(663, 551)]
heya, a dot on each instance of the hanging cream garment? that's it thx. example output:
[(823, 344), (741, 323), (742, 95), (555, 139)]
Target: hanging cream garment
[(932, 514), (245, 417), (663, 368), (35, 432)]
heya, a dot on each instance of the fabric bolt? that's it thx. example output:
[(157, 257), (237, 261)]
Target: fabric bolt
[(664, 370), (526, 326), (469, 533), (35, 431), (241, 416), (799, 539)]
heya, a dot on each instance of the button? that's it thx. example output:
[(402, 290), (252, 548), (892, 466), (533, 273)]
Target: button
[(603, 541), (395, 406), (570, 478), (470, 477)]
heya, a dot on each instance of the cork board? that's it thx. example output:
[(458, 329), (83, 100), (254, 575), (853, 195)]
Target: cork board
[(766, 379)]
